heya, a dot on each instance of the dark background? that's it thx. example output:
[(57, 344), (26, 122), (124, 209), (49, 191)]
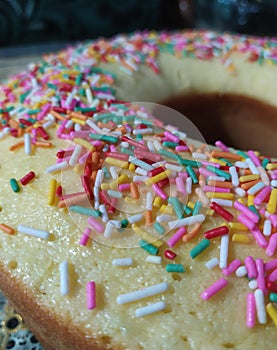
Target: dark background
[(29, 22)]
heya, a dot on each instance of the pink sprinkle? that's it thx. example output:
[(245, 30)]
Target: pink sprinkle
[(272, 277), (205, 172), (83, 158), (124, 187), (246, 211), (246, 221), (261, 276), (96, 225), (250, 310), (85, 237), (183, 174), (214, 288), (159, 192), (272, 245), (45, 109), (262, 195), (176, 237), (273, 219), (182, 148), (255, 159), (222, 146), (270, 265), (206, 163), (91, 295), (216, 189), (171, 137), (231, 267), (181, 186), (250, 267), (259, 237)]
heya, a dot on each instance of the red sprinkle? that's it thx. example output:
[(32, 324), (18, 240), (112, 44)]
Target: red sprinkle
[(27, 178), (221, 211), (169, 254), (216, 232)]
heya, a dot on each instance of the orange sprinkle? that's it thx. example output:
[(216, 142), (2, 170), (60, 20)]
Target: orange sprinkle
[(93, 175), (192, 234), (43, 144), (134, 190), (148, 217), (16, 145), (78, 115), (13, 124), (7, 229), (225, 184), (95, 157), (58, 115), (228, 155), (78, 198), (249, 184), (104, 125)]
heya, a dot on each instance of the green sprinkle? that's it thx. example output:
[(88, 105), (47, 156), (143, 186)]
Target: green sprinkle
[(187, 162), (82, 92), (124, 223), (52, 86), (106, 172), (199, 248), (159, 228), (78, 79), (175, 268), (139, 137), (197, 208), (265, 162), (34, 111), (85, 109), (177, 206), (242, 154), (127, 151), (187, 210), (254, 210), (23, 96), (106, 138), (226, 161), (273, 297), (168, 154), (150, 248), (14, 185), (219, 172), (170, 144), (192, 174), (85, 211)]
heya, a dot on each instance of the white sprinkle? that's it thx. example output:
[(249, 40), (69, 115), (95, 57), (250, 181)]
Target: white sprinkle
[(253, 284), (123, 262), (264, 176), (108, 230), (64, 278), (242, 165), (241, 271), (75, 155), (138, 178), (141, 171), (116, 223), (115, 194), (256, 188), (33, 231), (260, 306), (240, 191), (99, 178), (69, 124), (140, 163), (216, 178), (191, 220), (113, 172), (189, 185), (252, 166), (149, 201), (267, 228), (57, 167), (154, 259), (199, 155), (223, 202), (134, 218), (124, 144), (103, 210), (157, 145), (273, 183), (77, 127), (224, 245), (143, 131), (151, 147), (163, 218), (173, 167), (93, 126), (89, 96), (234, 176), (212, 263), (202, 197), (150, 309), (27, 144), (142, 293)]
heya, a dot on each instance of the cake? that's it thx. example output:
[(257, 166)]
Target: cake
[(119, 231)]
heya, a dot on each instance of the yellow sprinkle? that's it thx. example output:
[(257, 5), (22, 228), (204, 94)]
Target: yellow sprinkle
[(210, 212), (224, 224), (85, 144), (132, 167), (247, 178), (250, 200), (272, 311), (191, 205), (52, 192), (218, 161), (146, 236), (78, 121), (157, 202), (220, 195), (271, 206), (105, 186), (237, 226), (130, 200), (120, 180), (117, 162), (166, 209), (157, 178), (271, 166), (240, 237), (241, 200)]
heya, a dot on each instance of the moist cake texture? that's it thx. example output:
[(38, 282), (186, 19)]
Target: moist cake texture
[(112, 181)]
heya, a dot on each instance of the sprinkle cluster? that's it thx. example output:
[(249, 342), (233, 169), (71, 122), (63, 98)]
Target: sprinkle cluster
[(128, 158)]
